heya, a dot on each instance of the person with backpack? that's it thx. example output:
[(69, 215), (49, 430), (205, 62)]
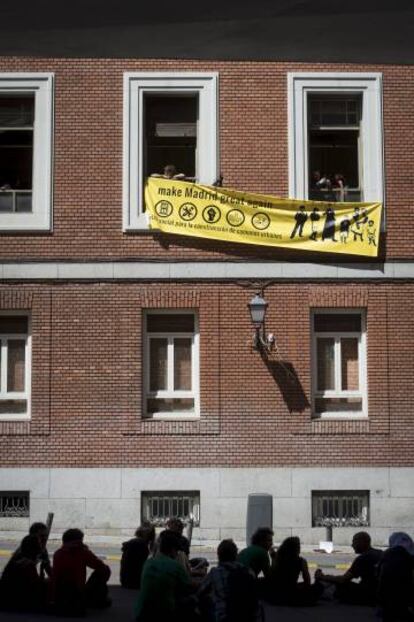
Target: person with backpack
[(229, 592)]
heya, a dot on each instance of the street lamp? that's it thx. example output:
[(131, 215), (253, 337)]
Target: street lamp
[(257, 307)]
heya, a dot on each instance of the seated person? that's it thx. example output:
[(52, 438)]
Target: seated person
[(71, 592), (396, 579), (229, 591), (170, 172), (165, 585), (282, 585), (364, 567), (256, 556), (21, 586), (134, 554), (41, 532), (196, 567)]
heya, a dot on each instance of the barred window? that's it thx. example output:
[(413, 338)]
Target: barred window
[(344, 508), (14, 504), (159, 506)]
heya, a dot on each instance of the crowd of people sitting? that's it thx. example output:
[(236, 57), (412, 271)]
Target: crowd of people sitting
[(174, 587)]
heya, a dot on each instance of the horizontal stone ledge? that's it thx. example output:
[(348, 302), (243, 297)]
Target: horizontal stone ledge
[(203, 271)]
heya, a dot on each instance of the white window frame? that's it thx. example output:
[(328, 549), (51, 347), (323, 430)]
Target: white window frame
[(41, 85), (169, 393), (362, 366), (16, 395), (136, 86), (369, 87)]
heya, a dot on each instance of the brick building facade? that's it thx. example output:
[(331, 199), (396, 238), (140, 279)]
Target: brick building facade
[(88, 444)]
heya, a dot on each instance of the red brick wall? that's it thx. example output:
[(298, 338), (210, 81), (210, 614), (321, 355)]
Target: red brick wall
[(87, 369), (253, 155)]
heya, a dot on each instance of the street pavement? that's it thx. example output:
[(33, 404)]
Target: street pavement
[(123, 607)]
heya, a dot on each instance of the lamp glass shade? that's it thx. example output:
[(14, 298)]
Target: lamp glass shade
[(257, 307)]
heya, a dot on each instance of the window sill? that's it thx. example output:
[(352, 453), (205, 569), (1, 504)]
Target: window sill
[(5, 418), (171, 417), (340, 417)]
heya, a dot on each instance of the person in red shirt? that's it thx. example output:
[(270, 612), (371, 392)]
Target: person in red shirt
[(72, 594)]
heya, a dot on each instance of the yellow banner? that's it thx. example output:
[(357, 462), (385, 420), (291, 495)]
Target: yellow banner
[(190, 209)]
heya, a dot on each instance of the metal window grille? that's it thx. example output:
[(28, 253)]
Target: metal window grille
[(14, 504), (158, 507), (346, 508)]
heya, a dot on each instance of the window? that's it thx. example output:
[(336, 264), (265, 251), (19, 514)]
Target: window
[(169, 118), (14, 367), (343, 508), (334, 147), (158, 507), (335, 136), (14, 504), (26, 117), (171, 365), (339, 364)]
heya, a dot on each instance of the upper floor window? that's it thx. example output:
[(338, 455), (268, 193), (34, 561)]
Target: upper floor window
[(335, 136), (171, 362), (14, 367), (26, 117), (339, 364), (170, 120)]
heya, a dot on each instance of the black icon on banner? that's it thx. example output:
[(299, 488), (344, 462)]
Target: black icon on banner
[(211, 214), (187, 211)]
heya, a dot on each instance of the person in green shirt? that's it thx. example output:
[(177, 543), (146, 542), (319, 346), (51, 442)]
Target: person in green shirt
[(256, 556), (165, 586)]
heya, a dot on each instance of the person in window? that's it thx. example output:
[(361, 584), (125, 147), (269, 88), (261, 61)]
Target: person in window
[(329, 225), (282, 586), (22, 588), (170, 172), (396, 579), (301, 217), (72, 594), (256, 556), (229, 592), (338, 187), (166, 588), (134, 554), (364, 567)]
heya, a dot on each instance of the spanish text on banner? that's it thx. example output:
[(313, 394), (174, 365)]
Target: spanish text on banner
[(200, 211)]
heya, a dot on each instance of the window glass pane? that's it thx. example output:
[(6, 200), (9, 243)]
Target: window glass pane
[(16, 159), (325, 405), (23, 201), (13, 407), (170, 405), (325, 364), (158, 364), (16, 356), (349, 364), (182, 364), (13, 324), (16, 110), (170, 133), (337, 322), (170, 322)]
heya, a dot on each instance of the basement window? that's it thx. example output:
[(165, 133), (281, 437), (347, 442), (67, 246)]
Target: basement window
[(14, 504), (344, 508), (159, 506)]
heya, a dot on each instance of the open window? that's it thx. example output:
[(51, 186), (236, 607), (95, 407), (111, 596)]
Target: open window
[(336, 136), (15, 367), (26, 127), (334, 139), (169, 119)]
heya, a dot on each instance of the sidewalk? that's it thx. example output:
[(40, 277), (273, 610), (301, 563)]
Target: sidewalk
[(123, 607)]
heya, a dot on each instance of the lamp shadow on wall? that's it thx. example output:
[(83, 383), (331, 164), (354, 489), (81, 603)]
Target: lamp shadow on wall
[(289, 384)]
